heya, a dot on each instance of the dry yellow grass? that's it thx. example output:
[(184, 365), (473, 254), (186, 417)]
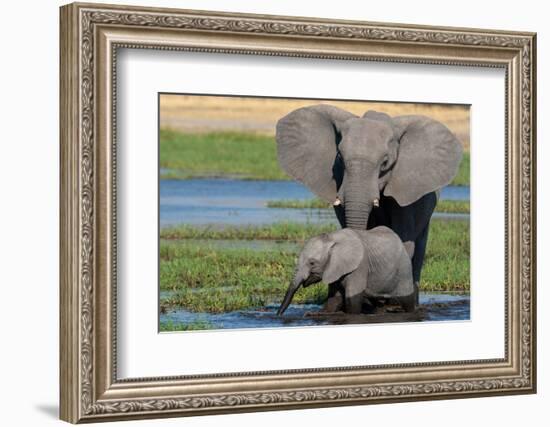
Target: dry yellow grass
[(197, 113)]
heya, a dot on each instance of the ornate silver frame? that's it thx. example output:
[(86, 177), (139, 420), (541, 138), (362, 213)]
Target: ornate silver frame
[(90, 36)]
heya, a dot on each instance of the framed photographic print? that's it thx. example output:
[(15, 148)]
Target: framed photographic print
[(266, 212), (233, 223)]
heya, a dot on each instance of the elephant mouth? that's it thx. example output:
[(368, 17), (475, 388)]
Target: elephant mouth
[(383, 173), (312, 279)]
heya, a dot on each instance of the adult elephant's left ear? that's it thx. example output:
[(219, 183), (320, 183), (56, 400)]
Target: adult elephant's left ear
[(307, 141), (428, 158)]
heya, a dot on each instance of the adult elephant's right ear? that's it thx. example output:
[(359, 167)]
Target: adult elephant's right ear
[(306, 146), (428, 158)]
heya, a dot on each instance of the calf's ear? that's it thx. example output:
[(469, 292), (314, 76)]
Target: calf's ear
[(346, 253)]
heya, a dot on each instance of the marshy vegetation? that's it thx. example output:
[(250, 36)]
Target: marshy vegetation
[(216, 277), (443, 206), (284, 231), (197, 325)]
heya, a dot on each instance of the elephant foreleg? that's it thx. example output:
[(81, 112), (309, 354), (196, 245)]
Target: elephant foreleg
[(354, 293), (335, 300), (340, 215), (408, 302), (411, 224), (418, 259)]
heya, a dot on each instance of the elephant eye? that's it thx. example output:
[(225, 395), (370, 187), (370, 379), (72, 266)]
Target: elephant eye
[(384, 164)]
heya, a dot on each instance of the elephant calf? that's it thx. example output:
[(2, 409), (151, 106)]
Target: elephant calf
[(356, 264)]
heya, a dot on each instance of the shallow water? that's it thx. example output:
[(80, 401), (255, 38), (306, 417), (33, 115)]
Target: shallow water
[(433, 307), (241, 202)]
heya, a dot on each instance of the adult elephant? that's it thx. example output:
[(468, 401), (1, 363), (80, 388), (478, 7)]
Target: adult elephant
[(375, 169)]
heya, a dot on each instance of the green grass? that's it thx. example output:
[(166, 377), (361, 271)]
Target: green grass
[(210, 279), (207, 278), (447, 262), (446, 206), (289, 231), (197, 325), (453, 206), (463, 175), (240, 155)]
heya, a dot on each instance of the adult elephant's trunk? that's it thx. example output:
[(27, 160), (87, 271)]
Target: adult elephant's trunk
[(361, 191), (357, 213)]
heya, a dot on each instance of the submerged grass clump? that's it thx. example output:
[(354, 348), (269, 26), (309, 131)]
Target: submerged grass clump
[(299, 204), (235, 154), (220, 278), (443, 206)]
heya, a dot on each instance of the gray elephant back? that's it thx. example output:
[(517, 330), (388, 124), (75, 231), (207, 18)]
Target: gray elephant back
[(381, 237)]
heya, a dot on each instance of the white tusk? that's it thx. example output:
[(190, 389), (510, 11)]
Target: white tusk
[(337, 202), (376, 203)]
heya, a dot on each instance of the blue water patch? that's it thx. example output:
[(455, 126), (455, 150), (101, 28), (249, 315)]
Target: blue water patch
[(242, 202), (433, 307)]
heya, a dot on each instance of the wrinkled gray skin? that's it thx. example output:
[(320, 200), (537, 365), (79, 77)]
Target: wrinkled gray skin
[(375, 169), (359, 265)]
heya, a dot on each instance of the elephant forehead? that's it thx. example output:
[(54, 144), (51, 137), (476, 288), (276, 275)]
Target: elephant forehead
[(360, 133), (314, 246)]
